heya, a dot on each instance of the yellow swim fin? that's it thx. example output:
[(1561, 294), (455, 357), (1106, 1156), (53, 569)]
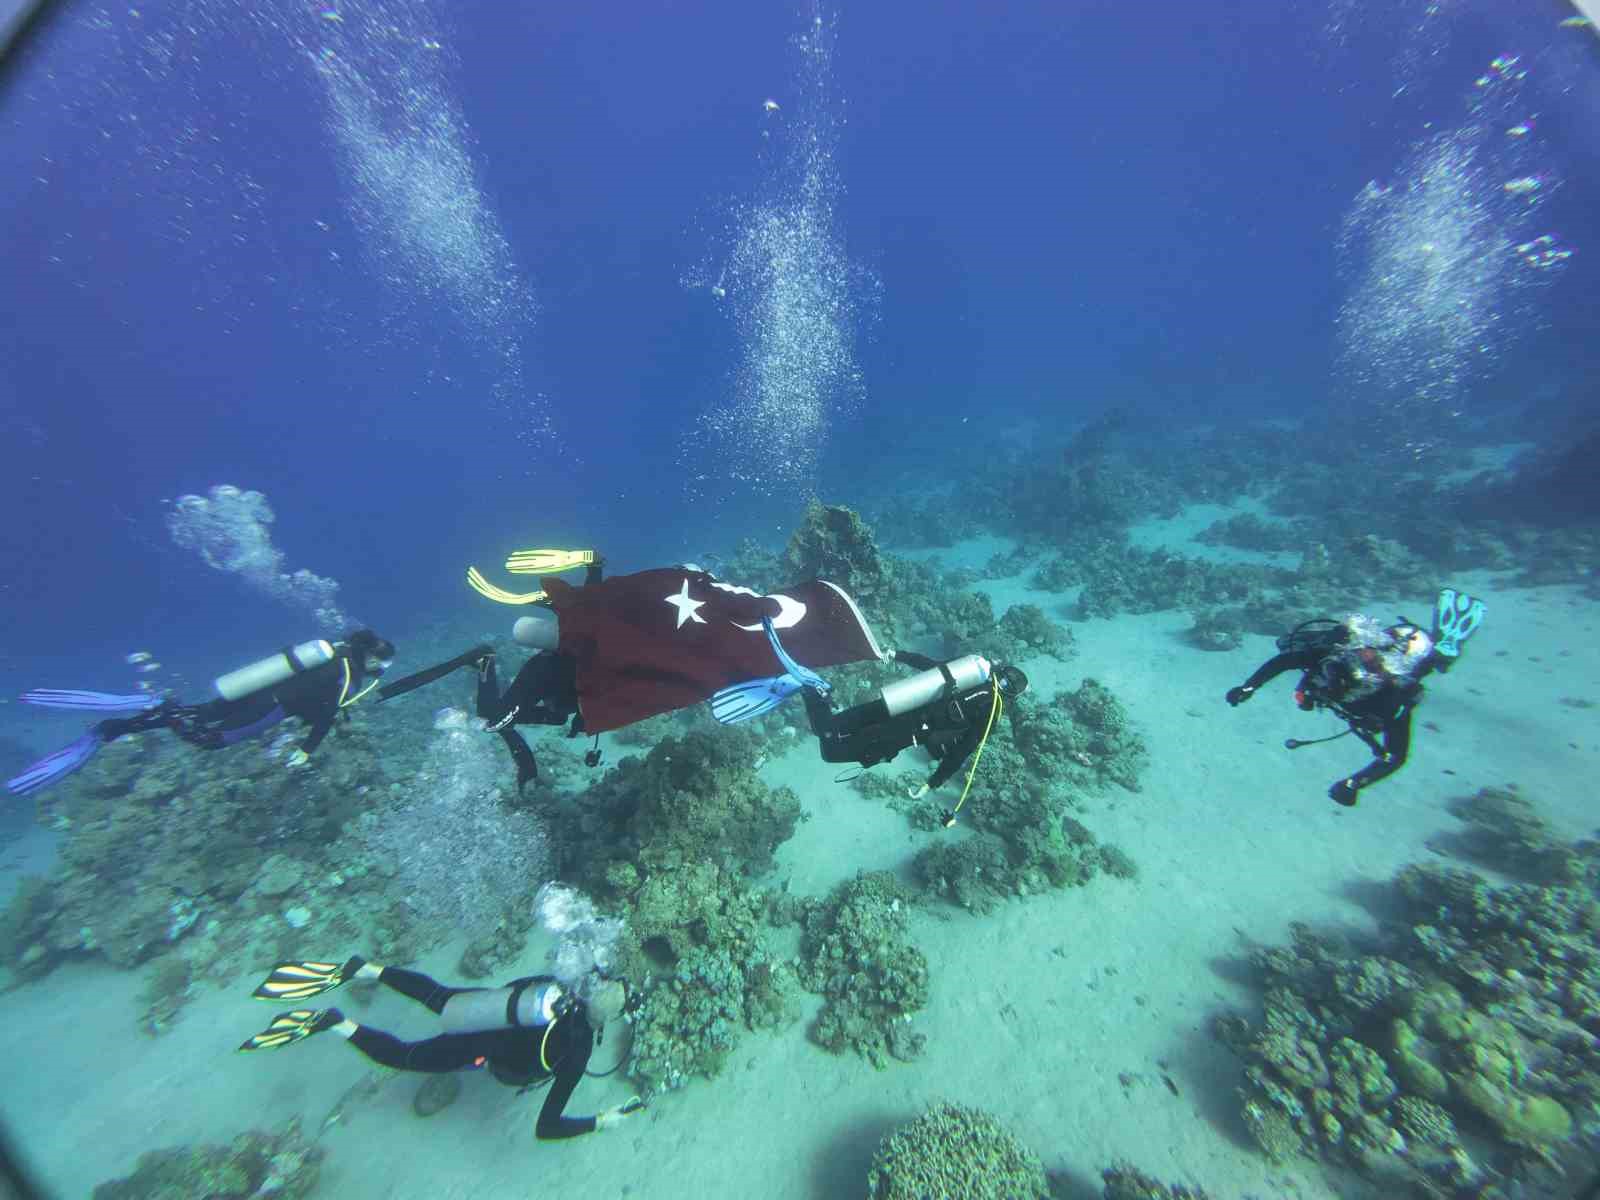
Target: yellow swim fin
[(499, 595), (547, 562), (292, 1026)]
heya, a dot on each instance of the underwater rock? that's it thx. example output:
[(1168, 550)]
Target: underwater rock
[(437, 1092), (279, 876), (953, 1151), (283, 1165), (168, 988), (1215, 629), (1124, 1182)]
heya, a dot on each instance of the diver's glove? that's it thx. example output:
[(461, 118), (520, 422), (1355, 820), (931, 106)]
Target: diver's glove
[(297, 758), (1344, 792), (1238, 695), (611, 1116), (918, 792)]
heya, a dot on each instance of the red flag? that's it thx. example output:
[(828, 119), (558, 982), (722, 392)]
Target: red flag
[(658, 640)]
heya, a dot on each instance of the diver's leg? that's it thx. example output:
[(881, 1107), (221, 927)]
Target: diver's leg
[(447, 1052), (413, 985)]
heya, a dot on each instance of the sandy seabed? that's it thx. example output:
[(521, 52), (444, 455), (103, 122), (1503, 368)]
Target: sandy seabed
[(1080, 1018)]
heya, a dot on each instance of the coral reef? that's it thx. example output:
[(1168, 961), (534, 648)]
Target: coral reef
[(1083, 736), (1024, 631), (1125, 1182), (694, 799), (953, 1151), (283, 1165), (833, 543), (1504, 831), (670, 841), (1478, 1015), (1247, 531), (1024, 840), (168, 988), (165, 845), (855, 951)]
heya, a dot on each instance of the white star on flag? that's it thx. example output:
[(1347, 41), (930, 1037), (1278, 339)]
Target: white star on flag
[(688, 610)]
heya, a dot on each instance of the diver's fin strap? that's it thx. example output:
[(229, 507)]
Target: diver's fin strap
[(805, 675), (499, 595), (547, 562), (1456, 617)]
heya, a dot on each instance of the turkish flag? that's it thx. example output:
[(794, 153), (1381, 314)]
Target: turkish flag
[(659, 640)]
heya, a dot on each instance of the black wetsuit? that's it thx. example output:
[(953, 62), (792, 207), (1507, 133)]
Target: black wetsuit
[(544, 692), (518, 1055), (949, 728), (1382, 720), (315, 696)]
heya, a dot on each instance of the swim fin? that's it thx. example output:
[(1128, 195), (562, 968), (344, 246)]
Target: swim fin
[(745, 701), (303, 980), (499, 595), (55, 767), (547, 562), (804, 675), (1456, 617), (291, 1026), (99, 702)]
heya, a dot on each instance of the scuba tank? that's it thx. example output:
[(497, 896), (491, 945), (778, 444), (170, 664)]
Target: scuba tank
[(273, 670), (515, 1006), (958, 675), (948, 679)]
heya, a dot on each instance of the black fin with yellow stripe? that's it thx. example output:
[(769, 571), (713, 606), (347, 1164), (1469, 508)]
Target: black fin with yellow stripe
[(303, 980), (292, 1026), (547, 562)]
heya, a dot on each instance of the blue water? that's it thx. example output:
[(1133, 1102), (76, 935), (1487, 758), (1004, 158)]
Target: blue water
[(1059, 208), (1047, 210)]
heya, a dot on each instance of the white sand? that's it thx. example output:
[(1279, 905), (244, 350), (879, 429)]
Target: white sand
[(1036, 1009)]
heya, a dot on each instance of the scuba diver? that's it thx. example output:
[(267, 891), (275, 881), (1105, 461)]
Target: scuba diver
[(1370, 676), (314, 681), (545, 690), (530, 1032), (947, 708), (619, 650)]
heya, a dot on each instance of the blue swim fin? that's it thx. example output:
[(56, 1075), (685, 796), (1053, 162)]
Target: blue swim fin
[(1456, 617), (99, 702), (55, 767), (745, 701), (805, 675)]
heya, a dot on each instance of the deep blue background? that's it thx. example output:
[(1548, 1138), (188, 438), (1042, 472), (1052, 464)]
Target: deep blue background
[(1069, 206)]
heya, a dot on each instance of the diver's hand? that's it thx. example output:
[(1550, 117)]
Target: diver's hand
[(1238, 695), (1344, 792), (297, 758), (621, 1112), (918, 792)]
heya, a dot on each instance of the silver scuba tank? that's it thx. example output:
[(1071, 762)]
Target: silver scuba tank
[(967, 672), (484, 1009), (273, 670)]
